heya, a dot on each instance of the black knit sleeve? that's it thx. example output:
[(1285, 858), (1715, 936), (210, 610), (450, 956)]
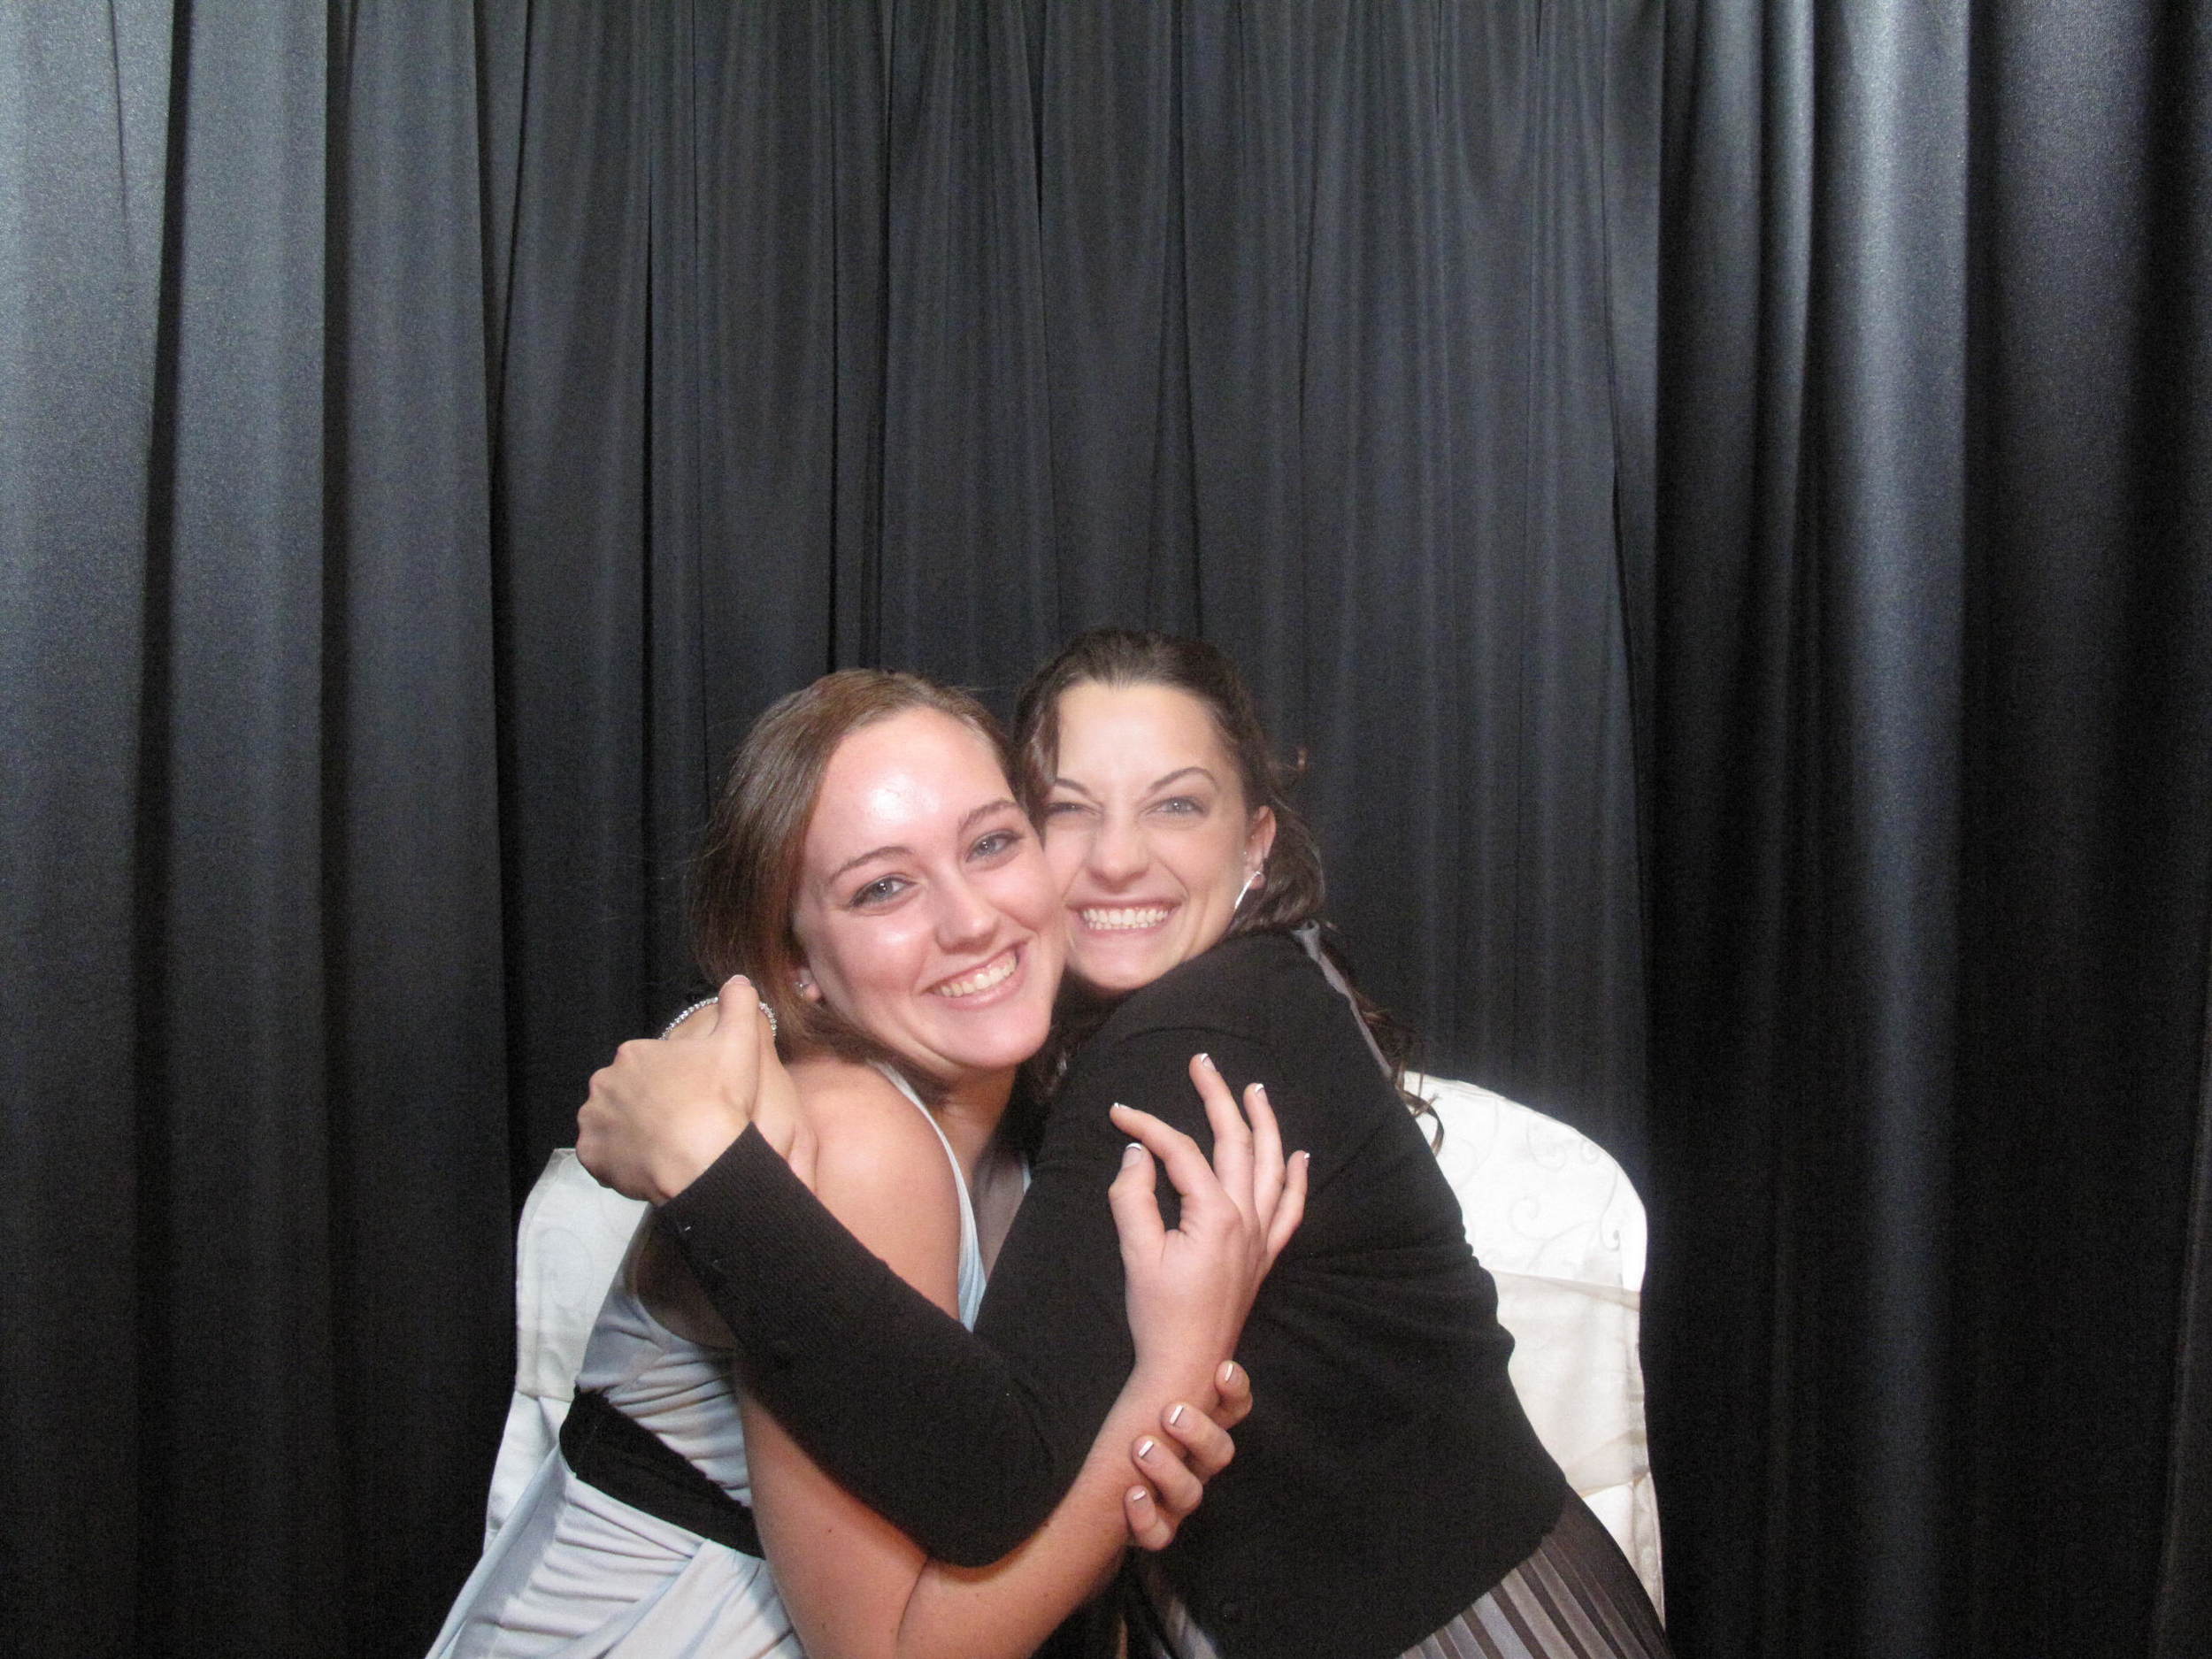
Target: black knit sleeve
[(965, 1441)]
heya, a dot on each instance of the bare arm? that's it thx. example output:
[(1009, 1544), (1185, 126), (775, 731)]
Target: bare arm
[(857, 1586), (967, 1439)]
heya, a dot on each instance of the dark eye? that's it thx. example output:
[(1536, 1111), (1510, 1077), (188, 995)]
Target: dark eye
[(1062, 808)]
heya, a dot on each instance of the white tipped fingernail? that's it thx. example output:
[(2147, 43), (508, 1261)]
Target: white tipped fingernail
[(1227, 1374), (1205, 1060), (1146, 1447), (1138, 1494), (1175, 1416), (1131, 1153)]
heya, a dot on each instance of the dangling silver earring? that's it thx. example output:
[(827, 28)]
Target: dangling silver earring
[(1241, 891)]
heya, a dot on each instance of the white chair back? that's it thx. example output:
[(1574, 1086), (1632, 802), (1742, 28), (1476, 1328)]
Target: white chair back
[(573, 1235), (1561, 1231)]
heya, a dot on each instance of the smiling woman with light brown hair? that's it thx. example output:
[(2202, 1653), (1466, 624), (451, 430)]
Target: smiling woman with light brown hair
[(871, 870)]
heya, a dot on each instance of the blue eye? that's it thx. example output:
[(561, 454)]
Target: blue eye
[(880, 891), (998, 842), (1179, 805)]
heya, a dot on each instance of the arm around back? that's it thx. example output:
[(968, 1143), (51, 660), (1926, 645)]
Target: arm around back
[(965, 1441)]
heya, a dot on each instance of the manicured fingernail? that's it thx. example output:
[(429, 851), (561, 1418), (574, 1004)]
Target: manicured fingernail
[(1131, 1153), (1227, 1374), (1205, 1060), (1138, 1495), (1304, 1157), (1259, 1089), (1175, 1416), (1146, 1447)]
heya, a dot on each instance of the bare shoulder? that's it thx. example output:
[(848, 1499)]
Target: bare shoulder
[(881, 1170), (867, 1134), (841, 1097)]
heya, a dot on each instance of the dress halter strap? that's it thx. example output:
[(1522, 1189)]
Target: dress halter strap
[(1308, 937)]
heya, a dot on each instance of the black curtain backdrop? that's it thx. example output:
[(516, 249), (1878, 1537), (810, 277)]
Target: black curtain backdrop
[(1932, 884), (1718, 490), (257, 1147)]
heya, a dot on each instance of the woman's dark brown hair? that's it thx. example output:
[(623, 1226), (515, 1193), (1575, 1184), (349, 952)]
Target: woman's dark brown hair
[(745, 881), (1291, 890)]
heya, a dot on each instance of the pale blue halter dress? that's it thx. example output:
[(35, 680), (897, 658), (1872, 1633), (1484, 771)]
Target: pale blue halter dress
[(576, 1574)]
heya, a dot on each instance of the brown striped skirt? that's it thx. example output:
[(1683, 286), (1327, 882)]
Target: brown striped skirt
[(1574, 1597)]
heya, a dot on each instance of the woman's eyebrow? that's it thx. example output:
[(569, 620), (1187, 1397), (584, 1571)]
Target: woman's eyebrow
[(1004, 803), (1184, 772), (899, 849), (1158, 783), (874, 852)]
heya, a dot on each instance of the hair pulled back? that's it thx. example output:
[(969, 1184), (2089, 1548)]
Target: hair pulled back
[(1291, 890)]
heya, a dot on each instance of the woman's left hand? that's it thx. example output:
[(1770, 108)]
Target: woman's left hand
[(1174, 1466), (1190, 1287)]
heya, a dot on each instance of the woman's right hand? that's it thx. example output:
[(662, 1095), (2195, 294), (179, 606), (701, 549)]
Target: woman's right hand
[(666, 1110), (1189, 1287)]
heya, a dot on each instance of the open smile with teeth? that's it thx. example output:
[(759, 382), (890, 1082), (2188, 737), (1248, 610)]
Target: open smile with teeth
[(993, 973), (1125, 917)]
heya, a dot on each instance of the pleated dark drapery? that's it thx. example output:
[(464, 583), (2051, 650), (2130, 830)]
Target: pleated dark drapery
[(1933, 804), (430, 438), (256, 1149), (1324, 332), (1718, 489)]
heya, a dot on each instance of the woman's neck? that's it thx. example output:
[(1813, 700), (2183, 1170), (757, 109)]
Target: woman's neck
[(970, 1113)]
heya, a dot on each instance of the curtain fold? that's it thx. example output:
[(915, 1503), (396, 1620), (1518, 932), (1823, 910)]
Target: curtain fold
[(257, 1158), (1717, 490), (82, 215), (1303, 327), (2184, 1608), (414, 1027), (1933, 823), (426, 442)]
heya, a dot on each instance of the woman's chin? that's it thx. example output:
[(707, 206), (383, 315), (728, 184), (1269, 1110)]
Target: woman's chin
[(998, 1045), (1114, 974)]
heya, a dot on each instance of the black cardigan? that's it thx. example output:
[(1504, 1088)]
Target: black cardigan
[(1386, 1476)]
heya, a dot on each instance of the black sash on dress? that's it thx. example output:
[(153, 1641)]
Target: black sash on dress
[(606, 1449)]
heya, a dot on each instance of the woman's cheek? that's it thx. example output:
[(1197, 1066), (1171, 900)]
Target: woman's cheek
[(1063, 858)]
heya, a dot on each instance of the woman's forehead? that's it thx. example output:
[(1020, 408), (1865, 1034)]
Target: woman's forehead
[(1128, 727), (917, 772)]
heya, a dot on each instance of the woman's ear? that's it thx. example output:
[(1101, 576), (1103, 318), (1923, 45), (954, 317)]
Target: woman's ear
[(805, 982), (1259, 839)]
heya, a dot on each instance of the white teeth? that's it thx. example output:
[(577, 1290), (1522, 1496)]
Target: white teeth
[(1126, 917), (992, 972)]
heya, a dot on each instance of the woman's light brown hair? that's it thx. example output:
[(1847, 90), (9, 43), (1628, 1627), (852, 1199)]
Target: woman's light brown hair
[(745, 881)]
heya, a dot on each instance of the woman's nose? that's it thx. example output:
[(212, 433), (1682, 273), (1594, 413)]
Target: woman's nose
[(965, 918), (1118, 852)]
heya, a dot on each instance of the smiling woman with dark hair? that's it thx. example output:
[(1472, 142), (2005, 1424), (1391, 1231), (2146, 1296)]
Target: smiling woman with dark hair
[(1388, 1495)]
